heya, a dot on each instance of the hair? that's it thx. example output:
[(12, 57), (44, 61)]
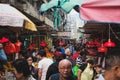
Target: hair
[(42, 53), (58, 49), (91, 61), (28, 56), (21, 65), (112, 58), (23, 53), (59, 56), (78, 48), (82, 53)]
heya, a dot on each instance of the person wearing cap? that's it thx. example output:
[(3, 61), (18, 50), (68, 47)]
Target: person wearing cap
[(86, 71)]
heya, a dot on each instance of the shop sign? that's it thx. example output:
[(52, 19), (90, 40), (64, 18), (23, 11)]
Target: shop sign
[(67, 34)]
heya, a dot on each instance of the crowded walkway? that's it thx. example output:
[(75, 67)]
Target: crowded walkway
[(45, 64)]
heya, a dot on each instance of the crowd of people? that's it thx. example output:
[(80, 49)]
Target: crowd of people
[(65, 62)]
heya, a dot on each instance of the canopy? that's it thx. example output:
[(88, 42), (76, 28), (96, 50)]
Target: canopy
[(66, 5), (10, 16), (101, 10)]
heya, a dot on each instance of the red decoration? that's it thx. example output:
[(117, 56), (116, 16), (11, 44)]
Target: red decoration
[(43, 44), (4, 39), (17, 45), (10, 48), (0, 41), (31, 46), (102, 48), (92, 52), (109, 43)]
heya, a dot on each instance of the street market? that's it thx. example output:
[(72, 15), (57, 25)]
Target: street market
[(59, 40)]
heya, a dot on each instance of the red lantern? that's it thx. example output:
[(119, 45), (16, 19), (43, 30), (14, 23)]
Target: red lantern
[(0, 41), (31, 46), (4, 39), (109, 43), (43, 44), (18, 45), (102, 48), (10, 48)]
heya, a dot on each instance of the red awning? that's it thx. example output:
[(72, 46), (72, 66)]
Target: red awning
[(101, 11)]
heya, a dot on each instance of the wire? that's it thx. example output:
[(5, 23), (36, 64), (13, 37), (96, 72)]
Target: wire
[(114, 34)]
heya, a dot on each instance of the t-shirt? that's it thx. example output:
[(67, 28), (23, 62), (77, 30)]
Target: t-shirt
[(30, 78), (75, 55), (57, 76), (44, 64), (53, 68), (100, 77)]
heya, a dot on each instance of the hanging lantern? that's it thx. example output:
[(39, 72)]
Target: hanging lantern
[(43, 44), (102, 48), (10, 48), (31, 46), (0, 41), (18, 43), (109, 43), (17, 46), (4, 39)]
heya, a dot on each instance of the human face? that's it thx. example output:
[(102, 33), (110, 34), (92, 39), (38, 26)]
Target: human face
[(65, 70), (29, 61), (18, 76), (112, 73), (98, 69), (118, 73)]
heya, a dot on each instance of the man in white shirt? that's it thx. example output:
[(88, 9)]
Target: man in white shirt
[(43, 65)]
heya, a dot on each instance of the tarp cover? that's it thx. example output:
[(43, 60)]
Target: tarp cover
[(101, 10)]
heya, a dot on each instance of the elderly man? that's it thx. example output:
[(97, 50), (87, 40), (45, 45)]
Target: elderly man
[(112, 65), (65, 71)]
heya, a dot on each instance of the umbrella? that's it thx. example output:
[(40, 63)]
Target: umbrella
[(66, 5), (10, 16), (101, 10)]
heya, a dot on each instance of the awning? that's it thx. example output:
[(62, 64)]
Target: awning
[(107, 11), (10, 16)]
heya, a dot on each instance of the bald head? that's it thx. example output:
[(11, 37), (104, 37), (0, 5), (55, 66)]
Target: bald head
[(65, 67), (65, 62)]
